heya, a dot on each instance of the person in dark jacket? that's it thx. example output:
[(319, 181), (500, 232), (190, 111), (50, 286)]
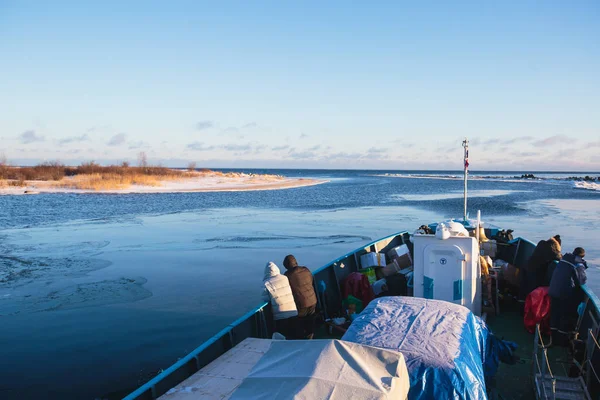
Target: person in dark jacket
[(566, 293), (301, 282), (535, 273)]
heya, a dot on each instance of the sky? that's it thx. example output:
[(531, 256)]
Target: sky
[(377, 85)]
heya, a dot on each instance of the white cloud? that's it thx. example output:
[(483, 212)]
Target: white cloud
[(116, 140), (199, 146), (554, 140), (279, 148), (202, 125), (73, 139), (237, 147), (30, 137)]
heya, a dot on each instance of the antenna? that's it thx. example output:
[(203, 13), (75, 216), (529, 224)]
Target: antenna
[(465, 145)]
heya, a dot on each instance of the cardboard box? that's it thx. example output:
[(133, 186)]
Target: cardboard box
[(390, 269), (399, 264), (398, 252), (372, 260), (489, 248), (404, 261)]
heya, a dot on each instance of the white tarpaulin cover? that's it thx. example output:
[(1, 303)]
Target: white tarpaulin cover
[(326, 369)]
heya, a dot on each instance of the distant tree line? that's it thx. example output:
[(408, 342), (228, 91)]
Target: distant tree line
[(55, 170), (586, 178)]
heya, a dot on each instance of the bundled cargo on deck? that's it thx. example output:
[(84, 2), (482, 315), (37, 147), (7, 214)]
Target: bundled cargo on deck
[(391, 269), (398, 252), (379, 287), (372, 260), (370, 274), (404, 261), (509, 274), (489, 248), (399, 264), (401, 260)]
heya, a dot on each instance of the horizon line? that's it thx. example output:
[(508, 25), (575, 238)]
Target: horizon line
[(358, 169)]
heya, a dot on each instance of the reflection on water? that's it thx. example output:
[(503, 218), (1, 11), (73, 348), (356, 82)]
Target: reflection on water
[(98, 293), (455, 195)]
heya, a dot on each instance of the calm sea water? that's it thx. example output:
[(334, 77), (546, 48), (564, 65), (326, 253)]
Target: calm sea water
[(99, 292)]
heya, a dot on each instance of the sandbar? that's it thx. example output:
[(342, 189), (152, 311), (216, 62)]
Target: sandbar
[(206, 182)]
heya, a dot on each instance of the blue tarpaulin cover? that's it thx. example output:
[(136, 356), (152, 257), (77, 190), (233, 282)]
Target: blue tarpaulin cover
[(444, 344)]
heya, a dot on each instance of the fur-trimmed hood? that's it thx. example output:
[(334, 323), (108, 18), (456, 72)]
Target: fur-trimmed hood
[(555, 246), (545, 252)]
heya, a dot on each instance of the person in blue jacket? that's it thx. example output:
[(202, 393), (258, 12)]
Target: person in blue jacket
[(566, 294)]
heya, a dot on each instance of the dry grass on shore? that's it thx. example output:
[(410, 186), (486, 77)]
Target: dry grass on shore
[(94, 177), (107, 181), (91, 176)]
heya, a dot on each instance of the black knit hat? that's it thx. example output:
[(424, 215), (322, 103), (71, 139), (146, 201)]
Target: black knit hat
[(557, 237), (290, 262), (579, 251)]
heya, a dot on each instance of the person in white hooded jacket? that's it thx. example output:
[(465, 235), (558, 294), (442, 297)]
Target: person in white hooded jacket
[(277, 290)]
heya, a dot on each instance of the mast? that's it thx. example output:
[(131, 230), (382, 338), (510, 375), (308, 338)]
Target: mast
[(465, 145)]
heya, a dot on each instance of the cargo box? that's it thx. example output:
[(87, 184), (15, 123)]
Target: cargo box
[(398, 252), (489, 248), (372, 260), (404, 261), (390, 269)]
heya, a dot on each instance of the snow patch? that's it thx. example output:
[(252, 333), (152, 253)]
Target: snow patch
[(587, 185)]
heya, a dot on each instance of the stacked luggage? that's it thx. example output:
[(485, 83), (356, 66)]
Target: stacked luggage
[(388, 273)]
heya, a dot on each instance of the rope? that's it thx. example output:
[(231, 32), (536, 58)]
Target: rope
[(595, 341), (548, 364), (537, 361), (539, 333)]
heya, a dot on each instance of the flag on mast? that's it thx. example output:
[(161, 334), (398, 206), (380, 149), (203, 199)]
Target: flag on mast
[(466, 146)]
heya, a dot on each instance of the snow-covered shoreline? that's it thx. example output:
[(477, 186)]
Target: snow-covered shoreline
[(204, 183)]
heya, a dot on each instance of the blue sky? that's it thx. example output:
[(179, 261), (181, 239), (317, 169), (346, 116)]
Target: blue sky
[(266, 84)]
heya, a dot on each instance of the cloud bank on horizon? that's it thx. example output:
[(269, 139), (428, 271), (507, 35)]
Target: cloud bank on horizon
[(392, 87)]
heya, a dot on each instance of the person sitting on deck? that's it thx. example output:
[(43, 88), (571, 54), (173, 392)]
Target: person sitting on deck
[(301, 281), (566, 293), (535, 273), (277, 290)]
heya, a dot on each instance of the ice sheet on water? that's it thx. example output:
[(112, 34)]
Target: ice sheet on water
[(279, 241), (90, 294), (55, 274), (17, 271), (587, 185), (458, 194), (547, 178)]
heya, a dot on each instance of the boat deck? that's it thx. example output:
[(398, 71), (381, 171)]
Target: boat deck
[(514, 382), (219, 379)]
